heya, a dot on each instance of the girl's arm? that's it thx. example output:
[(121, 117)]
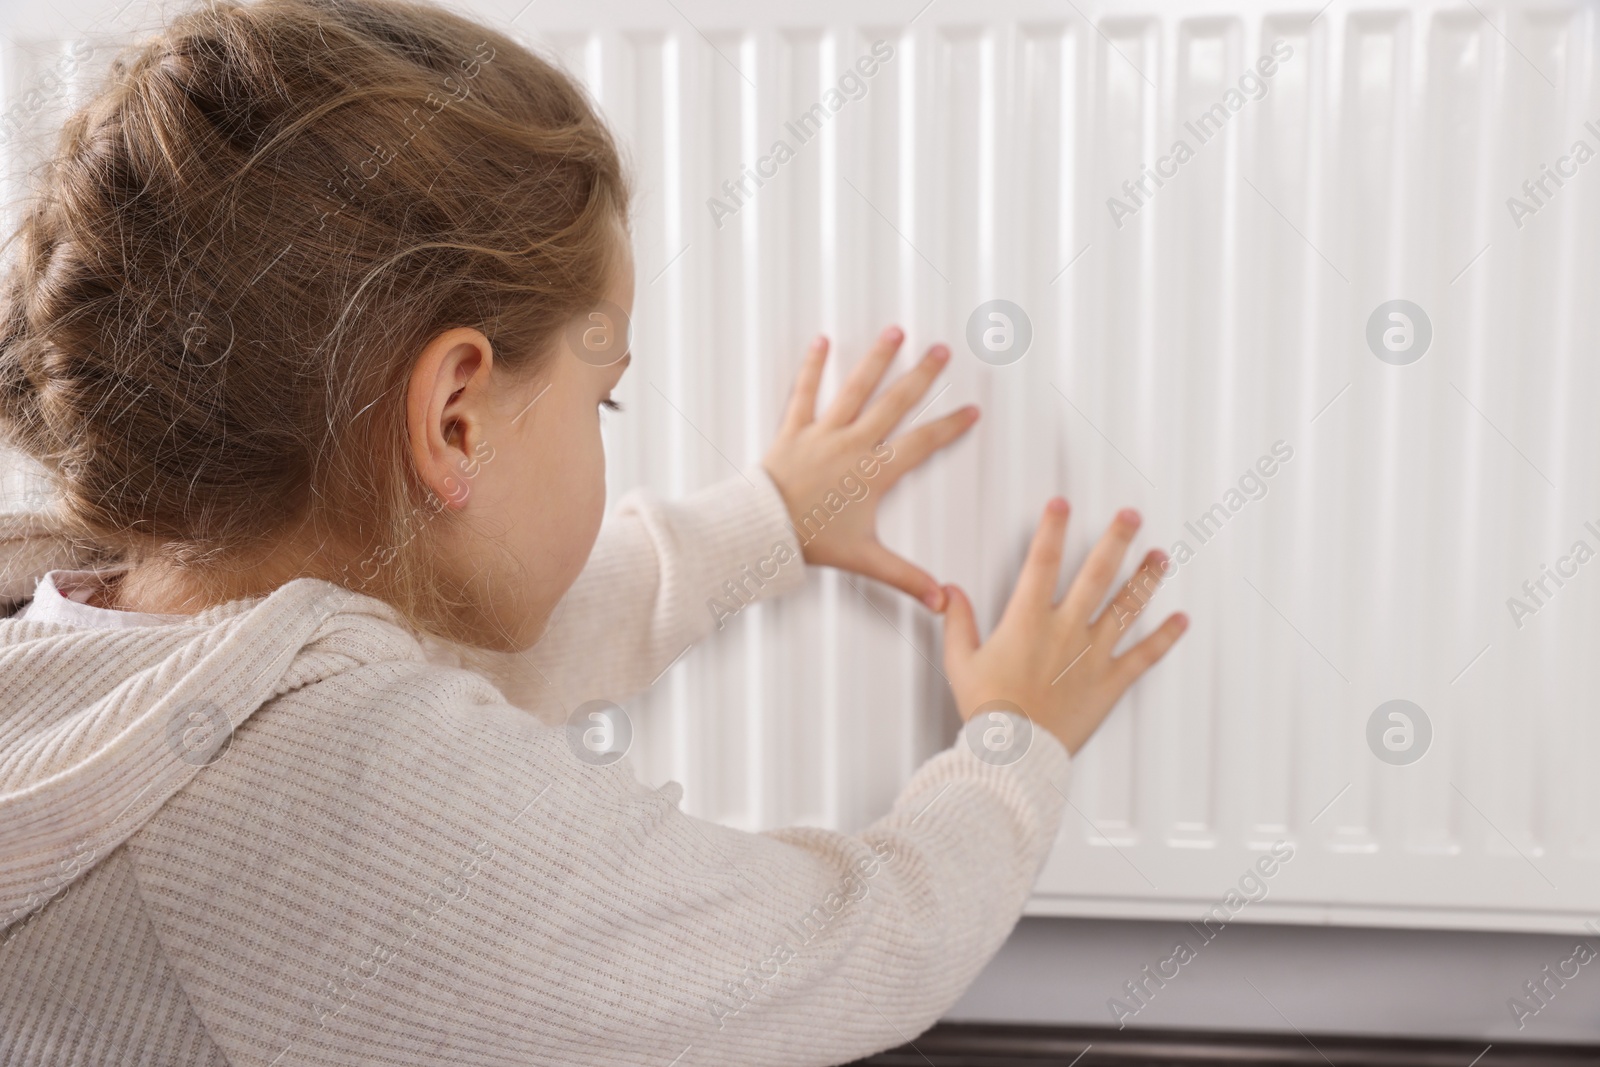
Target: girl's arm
[(440, 879), (393, 865)]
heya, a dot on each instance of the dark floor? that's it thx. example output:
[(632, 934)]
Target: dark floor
[(999, 1045)]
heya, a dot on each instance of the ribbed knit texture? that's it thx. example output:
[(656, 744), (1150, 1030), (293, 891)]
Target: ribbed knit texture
[(395, 863)]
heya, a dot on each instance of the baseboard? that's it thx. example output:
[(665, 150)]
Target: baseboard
[(1007, 1045)]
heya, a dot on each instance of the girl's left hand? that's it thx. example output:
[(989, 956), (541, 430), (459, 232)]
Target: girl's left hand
[(833, 470)]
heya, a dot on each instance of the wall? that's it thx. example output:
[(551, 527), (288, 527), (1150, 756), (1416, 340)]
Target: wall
[(1318, 980)]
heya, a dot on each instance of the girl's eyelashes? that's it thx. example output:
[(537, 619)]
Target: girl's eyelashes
[(610, 405)]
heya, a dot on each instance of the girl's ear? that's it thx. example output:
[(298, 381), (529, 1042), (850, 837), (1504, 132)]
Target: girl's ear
[(446, 410)]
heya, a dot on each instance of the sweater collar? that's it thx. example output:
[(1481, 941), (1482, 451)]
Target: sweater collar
[(102, 727)]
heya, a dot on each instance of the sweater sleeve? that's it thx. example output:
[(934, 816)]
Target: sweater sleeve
[(881, 932), (442, 879), (662, 576)]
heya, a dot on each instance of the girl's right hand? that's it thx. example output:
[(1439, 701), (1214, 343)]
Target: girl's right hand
[(1051, 659)]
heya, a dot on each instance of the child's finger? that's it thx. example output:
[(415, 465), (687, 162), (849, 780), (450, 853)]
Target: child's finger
[(1135, 595), (1127, 668), (885, 413), (1036, 585), (887, 567), (1105, 559), (864, 378), (960, 627), (913, 447), (803, 397)]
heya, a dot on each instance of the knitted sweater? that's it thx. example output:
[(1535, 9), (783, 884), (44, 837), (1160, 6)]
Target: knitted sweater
[(382, 857)]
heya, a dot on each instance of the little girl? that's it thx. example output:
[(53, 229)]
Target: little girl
[(300, 326)]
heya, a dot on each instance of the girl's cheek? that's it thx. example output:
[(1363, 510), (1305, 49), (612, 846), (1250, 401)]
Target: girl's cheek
[(593, 491)]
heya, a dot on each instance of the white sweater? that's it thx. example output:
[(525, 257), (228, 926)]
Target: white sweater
[(393, 862)]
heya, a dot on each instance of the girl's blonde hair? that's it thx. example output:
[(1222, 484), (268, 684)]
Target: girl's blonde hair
[(241, 245)]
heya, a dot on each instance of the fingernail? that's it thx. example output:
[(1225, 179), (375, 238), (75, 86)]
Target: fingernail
[(1129, 516), (934, 598), (1183, 621), (821, 341), (1057, 505), (1158, 557), (940, 354)]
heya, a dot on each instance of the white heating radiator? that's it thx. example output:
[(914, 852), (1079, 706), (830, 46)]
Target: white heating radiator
[(1179, 334)]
